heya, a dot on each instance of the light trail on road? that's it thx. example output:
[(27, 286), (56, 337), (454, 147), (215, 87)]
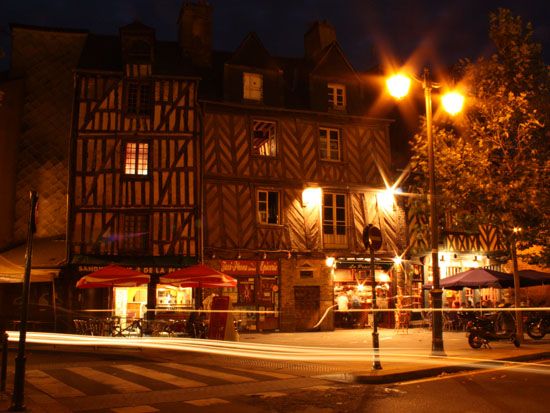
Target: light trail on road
[(277, 352)]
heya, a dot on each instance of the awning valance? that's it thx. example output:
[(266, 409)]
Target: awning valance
[(47, 259)]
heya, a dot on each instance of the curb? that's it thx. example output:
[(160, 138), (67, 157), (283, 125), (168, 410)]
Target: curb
[(375, 378)]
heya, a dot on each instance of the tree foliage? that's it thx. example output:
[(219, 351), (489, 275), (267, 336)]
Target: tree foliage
[(493, 163)]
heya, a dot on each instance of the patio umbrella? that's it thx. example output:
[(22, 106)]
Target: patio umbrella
[(478, 278), (198, 276), (535, 277), (113, 276)]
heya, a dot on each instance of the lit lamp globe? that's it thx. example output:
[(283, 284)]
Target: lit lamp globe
[(452, 102), (398, 85)]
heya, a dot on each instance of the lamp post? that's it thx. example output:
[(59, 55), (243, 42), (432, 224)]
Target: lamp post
[(18, 396), (517, 302), (398, 86)]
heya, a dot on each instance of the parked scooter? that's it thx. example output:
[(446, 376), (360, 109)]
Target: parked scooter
[(491, 327), (537, 325)]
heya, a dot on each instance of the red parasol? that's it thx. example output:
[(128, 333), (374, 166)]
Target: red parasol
[(199, 276), (113, 276)]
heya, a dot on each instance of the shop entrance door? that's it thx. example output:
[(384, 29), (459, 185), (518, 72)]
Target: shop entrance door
[(306, 306), (268, 301)]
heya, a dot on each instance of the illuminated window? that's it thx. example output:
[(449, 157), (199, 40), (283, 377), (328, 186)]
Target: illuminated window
[(336, 96), (138, 98), (334, 219), (264, 141), (330, 144), (253, 86), (135, 234), (136, 160), (268, 207)]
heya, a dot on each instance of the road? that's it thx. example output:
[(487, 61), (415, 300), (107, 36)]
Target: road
[(162, 381)]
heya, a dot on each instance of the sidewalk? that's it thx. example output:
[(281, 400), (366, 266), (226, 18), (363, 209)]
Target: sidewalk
[(406, 355)]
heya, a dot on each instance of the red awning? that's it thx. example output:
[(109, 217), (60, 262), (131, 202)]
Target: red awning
[(113, 276), (199, 276)]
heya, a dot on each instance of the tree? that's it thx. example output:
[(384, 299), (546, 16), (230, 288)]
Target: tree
[(493, 164)]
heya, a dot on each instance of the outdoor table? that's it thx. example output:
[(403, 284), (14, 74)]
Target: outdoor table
[(133, 326)]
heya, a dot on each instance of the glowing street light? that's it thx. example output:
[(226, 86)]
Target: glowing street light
[(452, 102), (398, 87)]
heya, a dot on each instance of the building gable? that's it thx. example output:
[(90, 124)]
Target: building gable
[(333, 63), (252, 53)]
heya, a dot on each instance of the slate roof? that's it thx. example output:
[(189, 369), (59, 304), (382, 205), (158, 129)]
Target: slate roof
[(103, 53)]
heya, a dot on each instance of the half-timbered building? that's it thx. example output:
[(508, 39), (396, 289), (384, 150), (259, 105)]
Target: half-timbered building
[(292, 174), (133, 190)]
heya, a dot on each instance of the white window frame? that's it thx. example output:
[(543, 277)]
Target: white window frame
[(336, 96), (136, 158), (336, 220), (253, 86), (269, 147), (263, 207), (330, 145)]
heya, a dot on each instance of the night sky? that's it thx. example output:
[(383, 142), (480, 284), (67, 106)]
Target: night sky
[(435, 32)]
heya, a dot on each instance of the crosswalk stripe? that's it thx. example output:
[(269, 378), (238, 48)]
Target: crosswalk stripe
[(118, 384), (157, 375), (273, 374), (50, 385), (268, 394), (134, 409), (207, 402), (232, 378)]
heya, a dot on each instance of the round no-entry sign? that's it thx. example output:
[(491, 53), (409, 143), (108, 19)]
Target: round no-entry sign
[(372, 237)]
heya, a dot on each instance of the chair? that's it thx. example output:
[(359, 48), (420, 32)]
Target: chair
[(80, 326), (95, 327), (402, 319), (451, 322), (426, 319)]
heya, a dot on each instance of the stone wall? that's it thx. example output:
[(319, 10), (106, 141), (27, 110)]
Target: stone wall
[(45, 58), (11, 103)]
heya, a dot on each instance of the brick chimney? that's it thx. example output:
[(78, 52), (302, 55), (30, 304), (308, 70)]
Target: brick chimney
[(320, 35), (195, 32)]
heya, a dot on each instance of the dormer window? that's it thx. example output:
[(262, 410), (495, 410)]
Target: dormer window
[(336, 96), (253, 86), (140, 50)]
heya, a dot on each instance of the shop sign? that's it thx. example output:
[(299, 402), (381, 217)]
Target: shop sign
[(269, 267), (353, 265), (144, 270), (249, 267), (238, 267)]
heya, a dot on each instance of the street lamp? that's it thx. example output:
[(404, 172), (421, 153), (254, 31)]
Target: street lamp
[(398, 86)]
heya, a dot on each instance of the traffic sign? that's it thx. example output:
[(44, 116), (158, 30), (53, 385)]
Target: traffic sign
[(372, 237)]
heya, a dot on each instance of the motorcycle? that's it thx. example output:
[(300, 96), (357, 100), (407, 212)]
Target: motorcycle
[(537, 325), (491, 327)]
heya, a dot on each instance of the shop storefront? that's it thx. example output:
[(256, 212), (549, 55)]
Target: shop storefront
[(130, 302), (353, 291), (257, 295)]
